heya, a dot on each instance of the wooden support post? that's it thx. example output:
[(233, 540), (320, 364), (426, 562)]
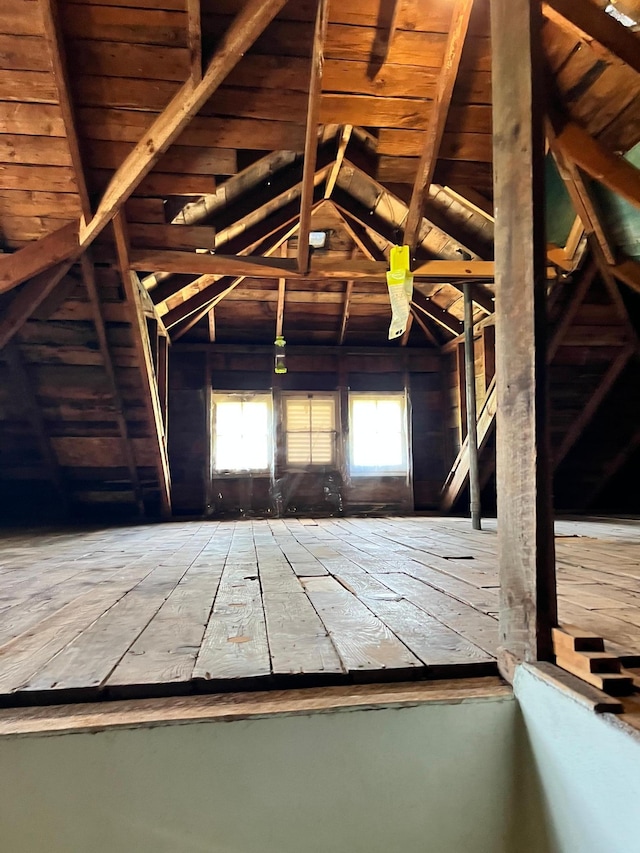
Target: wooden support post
[(472, 424), (525, 518)]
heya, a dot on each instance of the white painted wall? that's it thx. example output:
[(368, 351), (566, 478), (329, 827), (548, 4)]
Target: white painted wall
[(434, 779), (588, 771), (543, 775)]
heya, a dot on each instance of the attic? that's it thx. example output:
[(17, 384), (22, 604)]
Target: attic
[(221, 554)]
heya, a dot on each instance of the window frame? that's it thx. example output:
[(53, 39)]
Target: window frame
[(386, 470), (243, 397), (335, 432)]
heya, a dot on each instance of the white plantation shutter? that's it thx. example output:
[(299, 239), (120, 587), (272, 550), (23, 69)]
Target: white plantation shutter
[(310, 424)]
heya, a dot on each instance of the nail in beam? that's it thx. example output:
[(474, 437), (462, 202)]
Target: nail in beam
[(525, 520)]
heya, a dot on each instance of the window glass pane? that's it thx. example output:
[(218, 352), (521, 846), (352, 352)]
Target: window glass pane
[(378, 434), (242, 435)]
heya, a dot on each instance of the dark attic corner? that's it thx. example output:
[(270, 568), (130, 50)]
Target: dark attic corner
[(319, 369)]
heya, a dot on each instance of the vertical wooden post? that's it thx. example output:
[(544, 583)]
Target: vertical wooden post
[(472, 417), (525, 518)]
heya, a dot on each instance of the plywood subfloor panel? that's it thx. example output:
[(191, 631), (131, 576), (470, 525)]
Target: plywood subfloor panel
[(202, 606)]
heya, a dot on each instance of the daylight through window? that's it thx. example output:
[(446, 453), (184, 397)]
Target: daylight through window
[(242, 432), (378, 437)]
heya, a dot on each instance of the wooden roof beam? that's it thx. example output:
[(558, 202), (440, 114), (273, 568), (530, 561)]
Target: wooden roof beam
[(311, 135), (282, 287), (439, 315), (612, 170), (194, 39), (246, 27), (55, 43), (425, 329), (404, 340), (438, 119), (28, 299), (584, 19), (68, 241), (142, 345), (580, 195), (194, 309), (320, 270), (345, 312), (345, 136)]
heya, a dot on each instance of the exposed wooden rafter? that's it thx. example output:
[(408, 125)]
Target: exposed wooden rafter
[(194, 38), (345, 312), (437, 120), (439, 315), (345, 136), (320, 268), (579, 194), (55, 43), (311, 136), (147, 373), (282, 287), (67, 242), (28, 299), (425, 329), (192, 310), (588, 22), (612, 170)]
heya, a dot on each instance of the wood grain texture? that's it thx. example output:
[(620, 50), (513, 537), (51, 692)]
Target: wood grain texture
[(179, 606), (526, 556)]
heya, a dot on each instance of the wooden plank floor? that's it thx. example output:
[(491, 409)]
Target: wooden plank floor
[(205, 606)]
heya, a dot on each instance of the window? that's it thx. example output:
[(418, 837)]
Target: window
[(319, 239), (241, 432), (378, 434), (310, 429)]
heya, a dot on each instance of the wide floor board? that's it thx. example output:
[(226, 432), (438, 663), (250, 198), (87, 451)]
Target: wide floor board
[(201, 606)]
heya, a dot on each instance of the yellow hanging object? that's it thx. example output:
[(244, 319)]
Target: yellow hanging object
[(400, 285)]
